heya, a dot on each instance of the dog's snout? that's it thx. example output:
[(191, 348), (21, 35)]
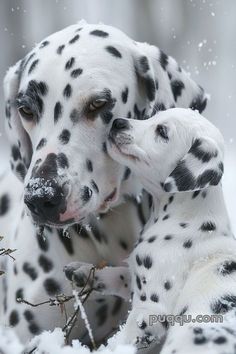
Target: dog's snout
[(45, 199), (120, 124)]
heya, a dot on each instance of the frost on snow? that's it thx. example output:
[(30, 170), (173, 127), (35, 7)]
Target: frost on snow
[(52, 343)]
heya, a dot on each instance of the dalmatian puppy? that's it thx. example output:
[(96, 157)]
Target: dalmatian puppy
[(185, 263), (61, 100)]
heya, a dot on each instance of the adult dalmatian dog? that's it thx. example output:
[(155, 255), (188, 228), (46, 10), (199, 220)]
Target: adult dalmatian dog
[(184, 265), (60, 102)]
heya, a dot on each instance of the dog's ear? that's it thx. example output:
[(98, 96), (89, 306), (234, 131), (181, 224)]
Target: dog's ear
[(200, 168), (21, 149), (167, 84)]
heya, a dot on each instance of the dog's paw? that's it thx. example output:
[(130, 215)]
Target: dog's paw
[(80, 273)]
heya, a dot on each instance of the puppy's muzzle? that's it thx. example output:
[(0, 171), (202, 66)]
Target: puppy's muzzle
[(119, 132), (45, 199)]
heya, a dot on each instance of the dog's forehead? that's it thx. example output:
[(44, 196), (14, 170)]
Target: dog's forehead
[(90, 53)]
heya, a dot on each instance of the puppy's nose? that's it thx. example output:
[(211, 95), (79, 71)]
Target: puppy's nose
[(120, 124), (45, 199)]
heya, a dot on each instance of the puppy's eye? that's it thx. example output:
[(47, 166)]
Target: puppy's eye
[(162, 131), (97, 104), (26, 113)]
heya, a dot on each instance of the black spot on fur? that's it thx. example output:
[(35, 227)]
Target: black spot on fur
[(41, 144), (166, 217), (33, 66), (4, 204), (45, 263), (34, 328), (187, 244), (29, 316), (51, 286), (30, 270), (200, 154), (75, 73), (228, 267), (177, 87), (163, 60), (220, 340), (183, 311), (138, 282), (57, 111), (199, 103), (19, 294), (70, 63), (143, 297), (67, 91), (42, 242), (224, 304), (144, 65), (168, 237), (126, 174), (208, 226), (183, 225), (44, 44), (14, 318), (64, 137), (113, 51), (151, 239), (74, 39), (200, 340), (60, 49), (154, 297), (89, 165), (150, 88), (195, 194), (183, 177), (124, 95), (138, 260), (99, 33), (167, 285), (147, 262), (21, 170), (209, 176), (66, 241), (104, 147), (94, 186)]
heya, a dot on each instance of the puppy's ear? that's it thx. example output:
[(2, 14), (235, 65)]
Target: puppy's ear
[(200, 168), (21, 149)]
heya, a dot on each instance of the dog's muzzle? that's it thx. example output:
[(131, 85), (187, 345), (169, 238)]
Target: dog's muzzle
[(118, 131), (45, 199)]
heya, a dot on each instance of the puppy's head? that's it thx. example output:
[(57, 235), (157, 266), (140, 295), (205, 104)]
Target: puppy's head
[(174, 151)]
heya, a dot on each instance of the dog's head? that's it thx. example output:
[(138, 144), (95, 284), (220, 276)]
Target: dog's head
[(60, 102), (176, 150)]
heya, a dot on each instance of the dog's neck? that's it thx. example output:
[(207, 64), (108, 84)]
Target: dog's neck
[(192, 209)]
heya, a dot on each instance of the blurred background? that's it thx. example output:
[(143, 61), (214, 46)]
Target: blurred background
[(199, 34)]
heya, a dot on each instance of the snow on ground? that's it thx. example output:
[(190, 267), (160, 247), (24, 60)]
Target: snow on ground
[(52, 343)]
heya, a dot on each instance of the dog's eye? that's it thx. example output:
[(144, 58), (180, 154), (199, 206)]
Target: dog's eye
[(97, 104), (26, 113), (162, 131)]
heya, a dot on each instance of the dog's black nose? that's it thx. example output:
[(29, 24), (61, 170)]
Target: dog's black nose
[(45, 199), (120, 124)]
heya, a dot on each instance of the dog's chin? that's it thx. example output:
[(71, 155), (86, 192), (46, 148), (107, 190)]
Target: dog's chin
[(122, 153)]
